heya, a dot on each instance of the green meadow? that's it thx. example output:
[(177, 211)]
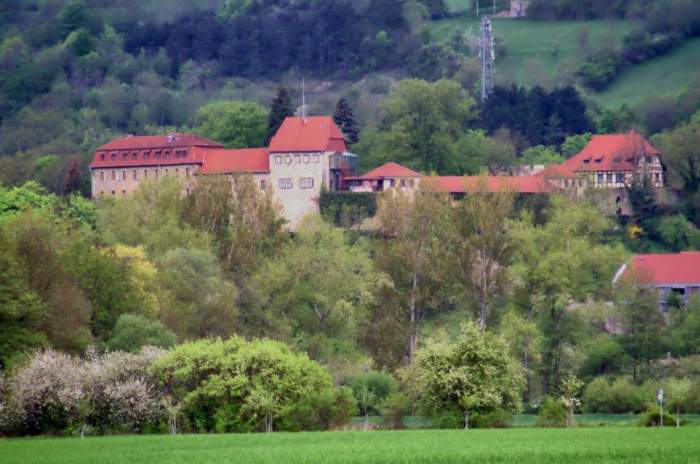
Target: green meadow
[(524, 446), (538, 51)]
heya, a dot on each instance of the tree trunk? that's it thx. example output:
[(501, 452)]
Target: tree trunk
[(268, 423), (466, 420), (366, 425), (678, 416), (526, 369), (414, 320)]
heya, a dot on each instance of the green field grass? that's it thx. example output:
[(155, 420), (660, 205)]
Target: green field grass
[(525, 446), (538, 51), (663, 76)]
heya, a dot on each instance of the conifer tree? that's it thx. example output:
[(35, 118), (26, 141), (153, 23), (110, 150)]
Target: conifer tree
[(73, 178), (281, 108), (345, 120)]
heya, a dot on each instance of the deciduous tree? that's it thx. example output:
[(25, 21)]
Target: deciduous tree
[(474, 374)]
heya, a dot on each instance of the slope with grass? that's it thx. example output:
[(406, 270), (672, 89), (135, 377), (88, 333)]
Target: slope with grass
[(538, 52), (666, 75), (525, 446)]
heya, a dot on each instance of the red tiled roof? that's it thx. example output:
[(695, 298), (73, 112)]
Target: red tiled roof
[(613, 152), (555, 170), (315, 133), (387, 170), (668, 268), (153, 150), (492, 184), (131, 142), (248, 160)]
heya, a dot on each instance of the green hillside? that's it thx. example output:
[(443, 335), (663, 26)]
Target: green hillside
[(666, 75), (537, 51)]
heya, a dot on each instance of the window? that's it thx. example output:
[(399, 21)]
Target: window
[(125, 156), (316, 159), (114, 156), (288, 159), (286, 183), (306, 182), (102, 175), (166, 154), (278, 160), (135, 155), (146, 155), (297, 159), (620, 178), (392, 182), (114, 177), (145, 173), (123, 175), (600, 178), (610, 178), (403, 182), (157, 153), (102, 156), (307, 158), (134, 174)]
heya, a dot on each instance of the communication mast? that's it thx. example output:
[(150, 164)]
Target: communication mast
[(487, 53)]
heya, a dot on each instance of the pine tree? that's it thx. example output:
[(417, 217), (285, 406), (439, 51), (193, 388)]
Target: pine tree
[(73, 178), (281, 108), (345, 120)]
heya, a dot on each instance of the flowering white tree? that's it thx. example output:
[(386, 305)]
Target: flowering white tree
[(55, 391), (570, 390)]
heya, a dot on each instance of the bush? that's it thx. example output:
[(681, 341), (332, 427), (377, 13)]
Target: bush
[(55, 392), (347, 208), (497, 419), (245, 386), (653, 419), (552, 413), (394, 408), (600, 396), (132, 332), (379, 384)]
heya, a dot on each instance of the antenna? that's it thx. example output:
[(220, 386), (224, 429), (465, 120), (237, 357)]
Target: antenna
[(303, 100), (488, 56)]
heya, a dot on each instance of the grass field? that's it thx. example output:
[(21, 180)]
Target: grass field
[(666, 75), (530, 46), (524, 446)]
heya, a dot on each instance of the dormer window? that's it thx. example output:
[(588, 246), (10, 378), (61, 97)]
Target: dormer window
[(586, 160), (166, 154), (125, 156), (114, 156), (135, 155), (157, 153), (102, 156), (599, 160)]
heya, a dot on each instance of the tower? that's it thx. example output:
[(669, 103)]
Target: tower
[(487, 55)]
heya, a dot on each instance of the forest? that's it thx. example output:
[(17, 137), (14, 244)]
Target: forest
[(193, 307)]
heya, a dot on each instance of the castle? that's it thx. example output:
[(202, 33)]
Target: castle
[(308, 154), (305, 155)]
